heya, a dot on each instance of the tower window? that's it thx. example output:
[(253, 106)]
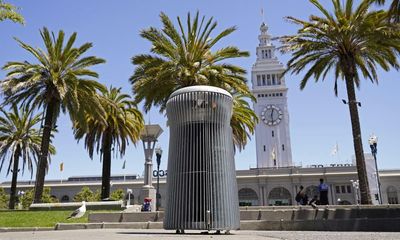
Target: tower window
[(270, 53), (273, 134), (262, 53), (259, 95), (274, 162), (269, 79), (264, 148), (280, 94), (283, 147), (266, 54), (263, 80), (278, 80), (258, 80), (273, 79)]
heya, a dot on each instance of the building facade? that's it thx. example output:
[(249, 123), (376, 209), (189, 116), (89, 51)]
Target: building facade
[(256, 187)]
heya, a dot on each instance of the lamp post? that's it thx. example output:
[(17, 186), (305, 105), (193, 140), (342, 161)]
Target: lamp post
[(356, 186), (158, 151), (149, 136), (129, 192), (20, 195), (373, 143)]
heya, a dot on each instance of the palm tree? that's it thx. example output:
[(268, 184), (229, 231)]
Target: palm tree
[(19, 139), (394, 10), (9, 11), (243, 121), (123, 122), (57, 82), (350, 43), (184, 58)]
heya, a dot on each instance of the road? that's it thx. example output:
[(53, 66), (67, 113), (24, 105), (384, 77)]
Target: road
[(121, 234)]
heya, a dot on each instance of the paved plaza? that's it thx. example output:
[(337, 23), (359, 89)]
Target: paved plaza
[(120, 234)]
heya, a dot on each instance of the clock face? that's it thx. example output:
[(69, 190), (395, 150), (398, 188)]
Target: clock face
[(271, 115)]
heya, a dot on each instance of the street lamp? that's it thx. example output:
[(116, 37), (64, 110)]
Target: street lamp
[(129, 192), (20, 195), (356, 186), (149, 136), (373, 143), (158, 151)]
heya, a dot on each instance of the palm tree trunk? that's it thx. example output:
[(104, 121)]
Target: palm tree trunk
[(105, 180), (44, 149), (13, 190), (357, 141)]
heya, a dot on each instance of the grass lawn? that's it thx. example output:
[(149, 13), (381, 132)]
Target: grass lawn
[(21, 218)]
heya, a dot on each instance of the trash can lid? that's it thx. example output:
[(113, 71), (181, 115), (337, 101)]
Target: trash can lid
[(200, 88)]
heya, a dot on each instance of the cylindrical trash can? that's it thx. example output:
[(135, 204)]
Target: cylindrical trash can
[(201, 181)]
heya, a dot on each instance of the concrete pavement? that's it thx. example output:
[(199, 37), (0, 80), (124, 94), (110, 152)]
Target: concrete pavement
[(121, 234)]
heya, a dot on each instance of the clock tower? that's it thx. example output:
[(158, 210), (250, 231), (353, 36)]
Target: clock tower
[(272, 132)]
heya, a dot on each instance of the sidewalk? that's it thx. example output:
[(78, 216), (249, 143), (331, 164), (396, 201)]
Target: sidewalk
[(121, 234)]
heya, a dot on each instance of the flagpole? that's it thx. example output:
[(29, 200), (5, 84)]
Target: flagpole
[(124, 168), (338, 156), (61, 170)]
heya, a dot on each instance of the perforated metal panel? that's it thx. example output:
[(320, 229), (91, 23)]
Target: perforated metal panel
[(201, 181)]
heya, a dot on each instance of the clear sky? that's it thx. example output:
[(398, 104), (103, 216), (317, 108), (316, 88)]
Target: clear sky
[(318, 120)]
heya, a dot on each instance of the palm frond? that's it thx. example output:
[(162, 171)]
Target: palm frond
[(185, 56)]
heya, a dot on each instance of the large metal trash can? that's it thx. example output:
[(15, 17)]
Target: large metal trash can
[(201, 181)]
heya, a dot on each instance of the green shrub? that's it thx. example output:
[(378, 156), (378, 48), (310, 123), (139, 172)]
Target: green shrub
[(4, 198), (87, 195), (97, 196), (27, 199), (117, 195)]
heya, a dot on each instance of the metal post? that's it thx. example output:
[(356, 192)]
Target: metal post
[(378, 178), (158, 156), (373, 143)]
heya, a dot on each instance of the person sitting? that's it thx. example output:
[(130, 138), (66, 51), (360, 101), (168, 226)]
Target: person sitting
[(301, 197)]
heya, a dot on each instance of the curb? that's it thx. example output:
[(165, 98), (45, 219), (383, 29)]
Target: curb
[(109, 225), (26, 229)]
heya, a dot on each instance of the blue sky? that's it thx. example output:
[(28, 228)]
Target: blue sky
[(318, 120)]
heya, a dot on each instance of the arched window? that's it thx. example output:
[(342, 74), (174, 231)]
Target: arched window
[(54, 198), (65, 198), (248, 197), (279, 196), (392, 195), (344, 202)]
